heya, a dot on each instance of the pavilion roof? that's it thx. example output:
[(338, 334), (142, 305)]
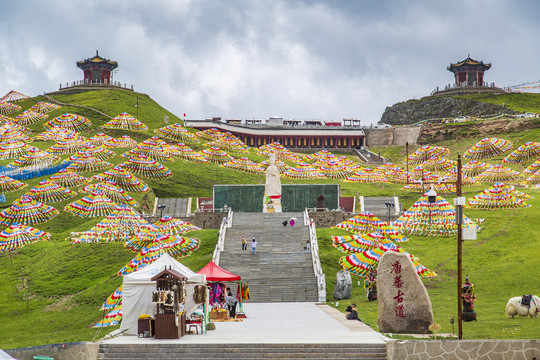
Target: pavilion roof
[(470, 62), (96, 59)]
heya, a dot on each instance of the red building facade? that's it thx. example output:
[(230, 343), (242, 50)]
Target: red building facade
[(97, 69), (469, 72), (288, 136)]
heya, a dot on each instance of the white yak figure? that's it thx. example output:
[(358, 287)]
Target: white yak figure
[(514, 307)]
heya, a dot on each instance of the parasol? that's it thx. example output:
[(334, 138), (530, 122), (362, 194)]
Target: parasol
[(431, 219), (35, 156), (112, 191), (29, 117), (69, 178), (177, 132), (122, 141), (26, 211), (525, 152), (69, 121), (145, 166), (44, 107), (86, 163), (488, 148), (14, 96), (7, 108), (243, 164), (493, 199), (215, 155), (16, 236), (49, 191), (175, 245), (170, 225), (8, 184), (93, 205), (126, 122), (498, 173), (123, 179)]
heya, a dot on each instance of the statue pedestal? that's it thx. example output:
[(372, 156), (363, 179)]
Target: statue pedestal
[(273, 205)]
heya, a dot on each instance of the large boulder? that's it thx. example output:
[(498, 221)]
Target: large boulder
[(404, 305), (343, 287)]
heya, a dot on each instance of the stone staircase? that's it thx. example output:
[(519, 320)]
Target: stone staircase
[(280, 270), (242, 351), (376, 206)]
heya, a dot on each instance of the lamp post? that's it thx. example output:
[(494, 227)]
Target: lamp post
[(389, 205), (407, 159), (161, 207), (432, 197), (459, 220)]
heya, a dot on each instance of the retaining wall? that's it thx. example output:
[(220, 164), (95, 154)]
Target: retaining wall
[(464, 349), (66, 351), (393, 136), (326, 219)]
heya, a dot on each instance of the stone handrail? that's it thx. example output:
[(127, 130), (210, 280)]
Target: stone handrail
[(225, 223), (317, 268)]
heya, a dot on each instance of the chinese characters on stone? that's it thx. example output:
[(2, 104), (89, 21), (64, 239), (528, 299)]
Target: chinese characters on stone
[(398, 284)]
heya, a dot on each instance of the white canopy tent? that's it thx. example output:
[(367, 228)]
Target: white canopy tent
[(137, 291), (4, 355)]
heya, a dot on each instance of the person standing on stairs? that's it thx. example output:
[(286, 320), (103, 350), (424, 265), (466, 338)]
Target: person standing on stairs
[(291, 222), (244, 243), (253, 245)]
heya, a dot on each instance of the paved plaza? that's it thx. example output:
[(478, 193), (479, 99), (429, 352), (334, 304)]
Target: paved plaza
[(279, 323)]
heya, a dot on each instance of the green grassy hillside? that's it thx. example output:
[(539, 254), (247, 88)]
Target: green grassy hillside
[(525, 102), (52, 290)]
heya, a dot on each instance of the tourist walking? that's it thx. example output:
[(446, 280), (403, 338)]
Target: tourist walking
[(253, 245), (244, 243), (291, 222), (308, 247)]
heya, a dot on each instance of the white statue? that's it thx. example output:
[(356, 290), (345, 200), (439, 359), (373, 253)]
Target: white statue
[(272, 188)]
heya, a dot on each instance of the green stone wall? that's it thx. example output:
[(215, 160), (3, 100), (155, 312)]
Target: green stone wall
[(294, 198)]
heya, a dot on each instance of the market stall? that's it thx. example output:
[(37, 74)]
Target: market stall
[(138, 289), (216, 278)]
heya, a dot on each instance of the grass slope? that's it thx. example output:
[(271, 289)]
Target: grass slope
[(525, 102), (52, 290)]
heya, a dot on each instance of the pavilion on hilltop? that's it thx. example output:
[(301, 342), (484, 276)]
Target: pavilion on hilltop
[(469, 72), (97, 69), (468, 79)]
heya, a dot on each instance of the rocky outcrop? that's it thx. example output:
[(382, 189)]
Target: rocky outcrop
[(413, 111), (478, 129)]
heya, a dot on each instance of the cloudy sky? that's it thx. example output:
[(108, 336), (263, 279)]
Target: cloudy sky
[(254, 59)]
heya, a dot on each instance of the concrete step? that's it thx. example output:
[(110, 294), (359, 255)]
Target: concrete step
[(280, 267), (242, 351)]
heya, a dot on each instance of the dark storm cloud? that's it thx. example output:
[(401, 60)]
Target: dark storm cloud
[(297, 59)]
